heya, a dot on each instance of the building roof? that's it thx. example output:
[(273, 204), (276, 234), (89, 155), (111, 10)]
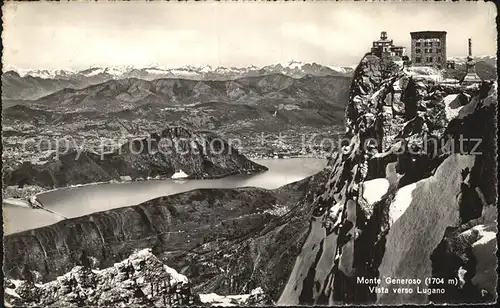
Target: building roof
[(429, 33)]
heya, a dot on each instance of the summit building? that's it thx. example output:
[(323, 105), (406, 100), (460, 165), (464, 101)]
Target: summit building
[(428, 48), (385, 47)]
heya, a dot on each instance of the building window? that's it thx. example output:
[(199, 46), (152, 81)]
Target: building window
[(439, 59), (429, 59), (438, 50), (417, 59), (417, 44), (417, 50), (438, 44)]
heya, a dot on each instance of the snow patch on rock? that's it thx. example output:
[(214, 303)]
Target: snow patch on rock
[(451, 106), (373, 190), (401, 202)]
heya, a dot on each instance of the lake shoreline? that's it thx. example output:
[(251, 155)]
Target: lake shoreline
[(84, 199), (41, 190)]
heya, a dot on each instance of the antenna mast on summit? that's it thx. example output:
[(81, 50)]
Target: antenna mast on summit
[(470, 47)]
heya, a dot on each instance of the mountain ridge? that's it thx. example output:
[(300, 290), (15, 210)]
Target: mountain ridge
[(33, 84), (295, 68), (119, 94)]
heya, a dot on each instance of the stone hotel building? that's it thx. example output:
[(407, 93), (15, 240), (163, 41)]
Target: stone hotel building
[(428, 48)]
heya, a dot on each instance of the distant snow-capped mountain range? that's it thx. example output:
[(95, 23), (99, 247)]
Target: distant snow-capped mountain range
[(483, 58), (292, 68)]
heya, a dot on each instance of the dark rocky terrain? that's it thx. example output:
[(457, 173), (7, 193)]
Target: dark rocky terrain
[(197, 154), (401, 199)]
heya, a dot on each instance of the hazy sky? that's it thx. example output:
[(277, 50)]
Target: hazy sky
[(79, 35)]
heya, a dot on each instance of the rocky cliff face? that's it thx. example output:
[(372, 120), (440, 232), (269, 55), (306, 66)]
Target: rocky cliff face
[(405, 198), (198, 154)]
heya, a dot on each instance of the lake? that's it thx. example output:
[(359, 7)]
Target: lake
[(83, 200)]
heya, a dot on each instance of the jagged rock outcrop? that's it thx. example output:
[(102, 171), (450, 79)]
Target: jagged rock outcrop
[(428, 150), (198, 154), (141, 280)]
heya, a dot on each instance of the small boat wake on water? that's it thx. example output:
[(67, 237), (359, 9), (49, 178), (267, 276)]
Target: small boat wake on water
[(16, 202), (31, 202), (35, 203)]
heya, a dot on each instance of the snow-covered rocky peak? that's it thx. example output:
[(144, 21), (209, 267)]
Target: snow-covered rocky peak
[(44, 73)]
